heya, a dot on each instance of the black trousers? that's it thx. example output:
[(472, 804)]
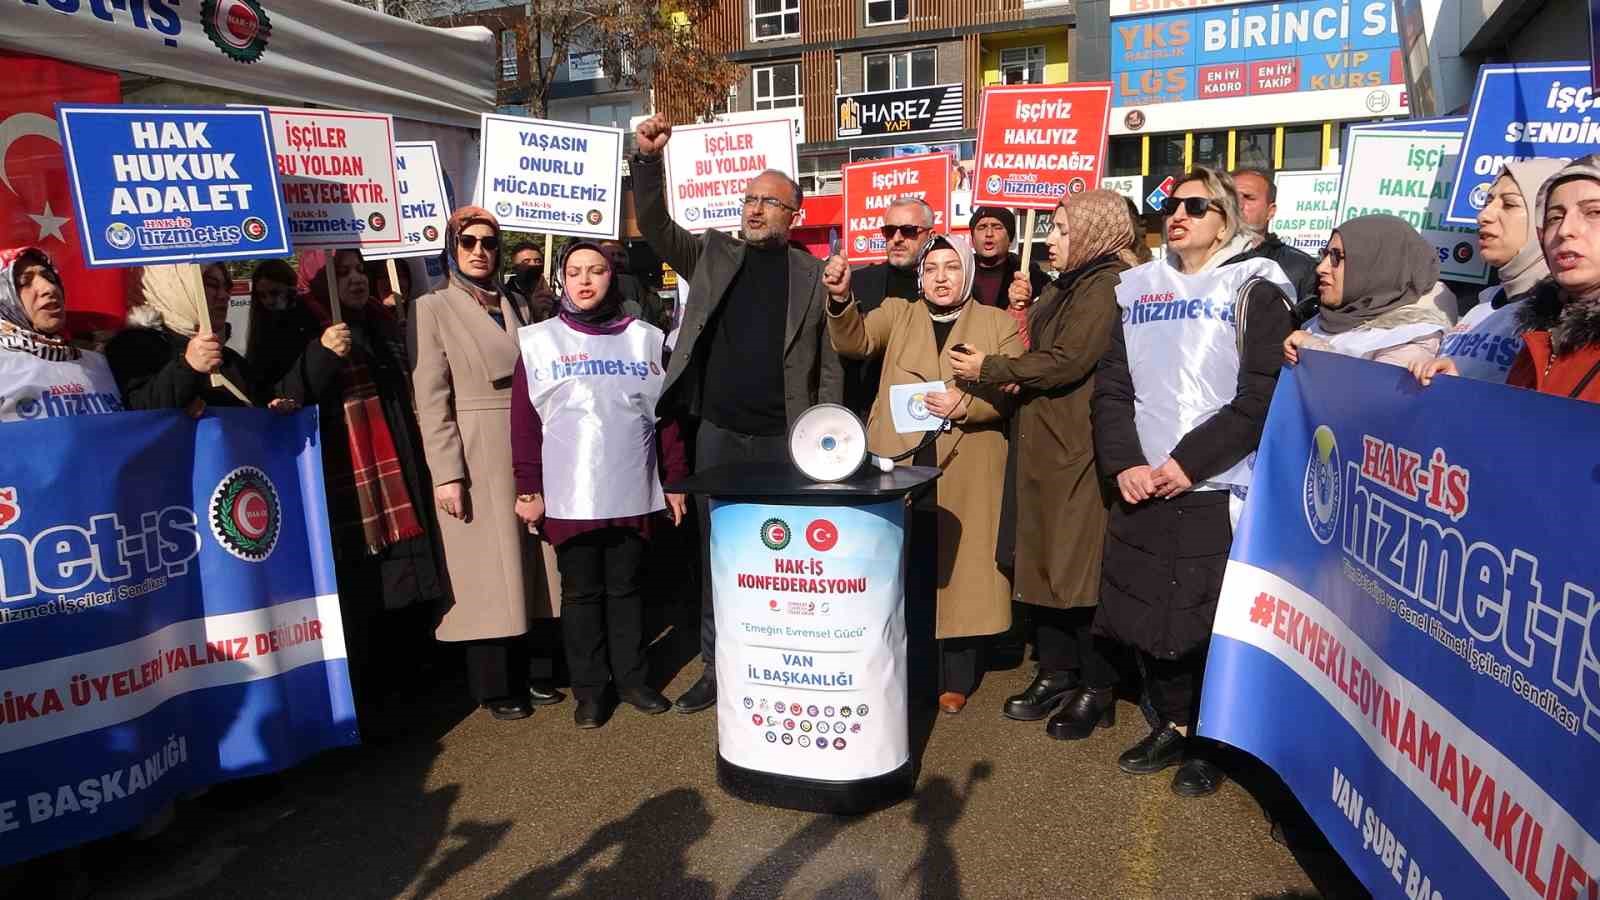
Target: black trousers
[(1066, 644), (497, 669), (602, 613), (1173, 685), (961, 663), (716, 446)]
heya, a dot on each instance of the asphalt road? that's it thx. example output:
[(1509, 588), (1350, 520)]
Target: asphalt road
[(446, 802)]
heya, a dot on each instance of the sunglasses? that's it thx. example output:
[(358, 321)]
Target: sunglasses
[(1196, 207), (905, 231), (470, 242), (1336, 255)]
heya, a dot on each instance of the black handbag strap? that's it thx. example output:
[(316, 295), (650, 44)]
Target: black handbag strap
[(1593, 371)]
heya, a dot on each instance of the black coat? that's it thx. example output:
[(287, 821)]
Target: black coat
[(1301, 269), (869, 285), (1164, 559), (1012, 266), (151, 373)]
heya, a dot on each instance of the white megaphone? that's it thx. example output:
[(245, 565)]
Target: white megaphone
[(828, 443)]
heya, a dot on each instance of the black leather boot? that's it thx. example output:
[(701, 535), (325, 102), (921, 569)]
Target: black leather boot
[(1089, 709), (702, 695), (1042, 696), (1197, 777), (543, 693), (1160, 749), (644, 698)]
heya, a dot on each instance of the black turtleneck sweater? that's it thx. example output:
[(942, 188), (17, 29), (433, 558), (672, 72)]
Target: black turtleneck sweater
[(742, 388)]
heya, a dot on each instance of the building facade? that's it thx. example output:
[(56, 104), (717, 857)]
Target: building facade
[(875, 78)]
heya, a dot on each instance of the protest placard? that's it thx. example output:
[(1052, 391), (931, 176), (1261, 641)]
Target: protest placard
[(1406, 172), (424, 209), (870, 187), (1519, 112), (1038, 143), (162, 184), (1308, 203), (708, 167), (337, 173), (551, 177)]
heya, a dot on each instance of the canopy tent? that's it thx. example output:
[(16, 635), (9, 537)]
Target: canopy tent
[(326, 52)]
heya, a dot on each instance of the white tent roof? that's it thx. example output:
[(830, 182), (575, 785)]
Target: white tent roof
[(327, 52)]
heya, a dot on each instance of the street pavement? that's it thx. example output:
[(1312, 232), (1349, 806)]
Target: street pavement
[(445, 802)]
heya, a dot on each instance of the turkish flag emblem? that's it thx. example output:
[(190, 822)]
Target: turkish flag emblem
[(35, 201), (821, 535)]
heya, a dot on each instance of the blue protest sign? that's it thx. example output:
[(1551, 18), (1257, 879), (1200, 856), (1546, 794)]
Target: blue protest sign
[(168, 615), (1408, 632), (1520, 112), (164, 184)]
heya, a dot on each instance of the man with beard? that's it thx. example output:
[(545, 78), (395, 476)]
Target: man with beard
[(994, 229), (752, 352), (907, 229)]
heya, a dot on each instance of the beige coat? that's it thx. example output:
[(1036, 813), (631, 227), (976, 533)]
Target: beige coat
[(500, 576), (974, 595)]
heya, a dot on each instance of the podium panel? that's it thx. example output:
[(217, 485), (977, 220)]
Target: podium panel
[(811, 638)]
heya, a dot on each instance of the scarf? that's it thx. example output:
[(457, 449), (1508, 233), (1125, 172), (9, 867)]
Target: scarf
[(1387, 268), (486, 290), (603, 314), (1528, 267), (963, 249), (169, 290), (376, 478), (16, 329), (1097, 226)]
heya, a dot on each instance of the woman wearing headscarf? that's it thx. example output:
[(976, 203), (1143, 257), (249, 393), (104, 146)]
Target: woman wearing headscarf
[(41, 374), (464, 353), (281, 326), (1560, 322), (1379, 295), (1179, 402), (910, 336), (166, 326), (378, 490), (595, 426), (1054, 512), (1488, 338)]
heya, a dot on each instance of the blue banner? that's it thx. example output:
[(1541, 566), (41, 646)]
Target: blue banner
[(1519, 112), (168, 616), (1407, 631), (166, 184)]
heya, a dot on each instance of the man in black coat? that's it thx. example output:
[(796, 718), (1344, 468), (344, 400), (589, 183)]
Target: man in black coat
[(907, 229), (994, 229), (752, 351), (1258, 203)]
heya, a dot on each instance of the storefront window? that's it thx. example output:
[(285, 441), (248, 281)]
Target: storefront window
[(1126, 156), (1302, 148), (1253, 149), (1166, 155), (820, 174), (1211, 149)]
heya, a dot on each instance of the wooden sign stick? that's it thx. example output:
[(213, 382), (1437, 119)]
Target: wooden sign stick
[(1027, 239), (333, 287), (203, 325)]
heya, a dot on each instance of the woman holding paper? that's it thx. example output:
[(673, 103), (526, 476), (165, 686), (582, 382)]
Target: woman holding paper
[(916, 390), (41, 374), (1179, 402), (1379, 296), (1056, 506), (168, 326), (464, 352)]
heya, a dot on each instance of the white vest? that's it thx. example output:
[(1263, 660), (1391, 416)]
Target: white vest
[(1183, 353), (1369, 342), (1485, 342), (596, 395), (32, 388)]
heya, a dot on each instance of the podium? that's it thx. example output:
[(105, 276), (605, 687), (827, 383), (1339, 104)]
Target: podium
[(808, 582)]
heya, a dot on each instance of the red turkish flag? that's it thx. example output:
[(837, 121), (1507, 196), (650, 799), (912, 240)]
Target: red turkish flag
[(35, 202)]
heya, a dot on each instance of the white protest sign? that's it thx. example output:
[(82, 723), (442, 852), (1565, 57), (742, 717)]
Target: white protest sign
[(708, 167), (423, 210), (1408, 174), (1307, 205), (909, 407), (337, 172), (551, 177)]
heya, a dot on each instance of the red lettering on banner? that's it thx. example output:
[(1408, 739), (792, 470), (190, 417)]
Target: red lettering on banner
[(1507, 824)]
